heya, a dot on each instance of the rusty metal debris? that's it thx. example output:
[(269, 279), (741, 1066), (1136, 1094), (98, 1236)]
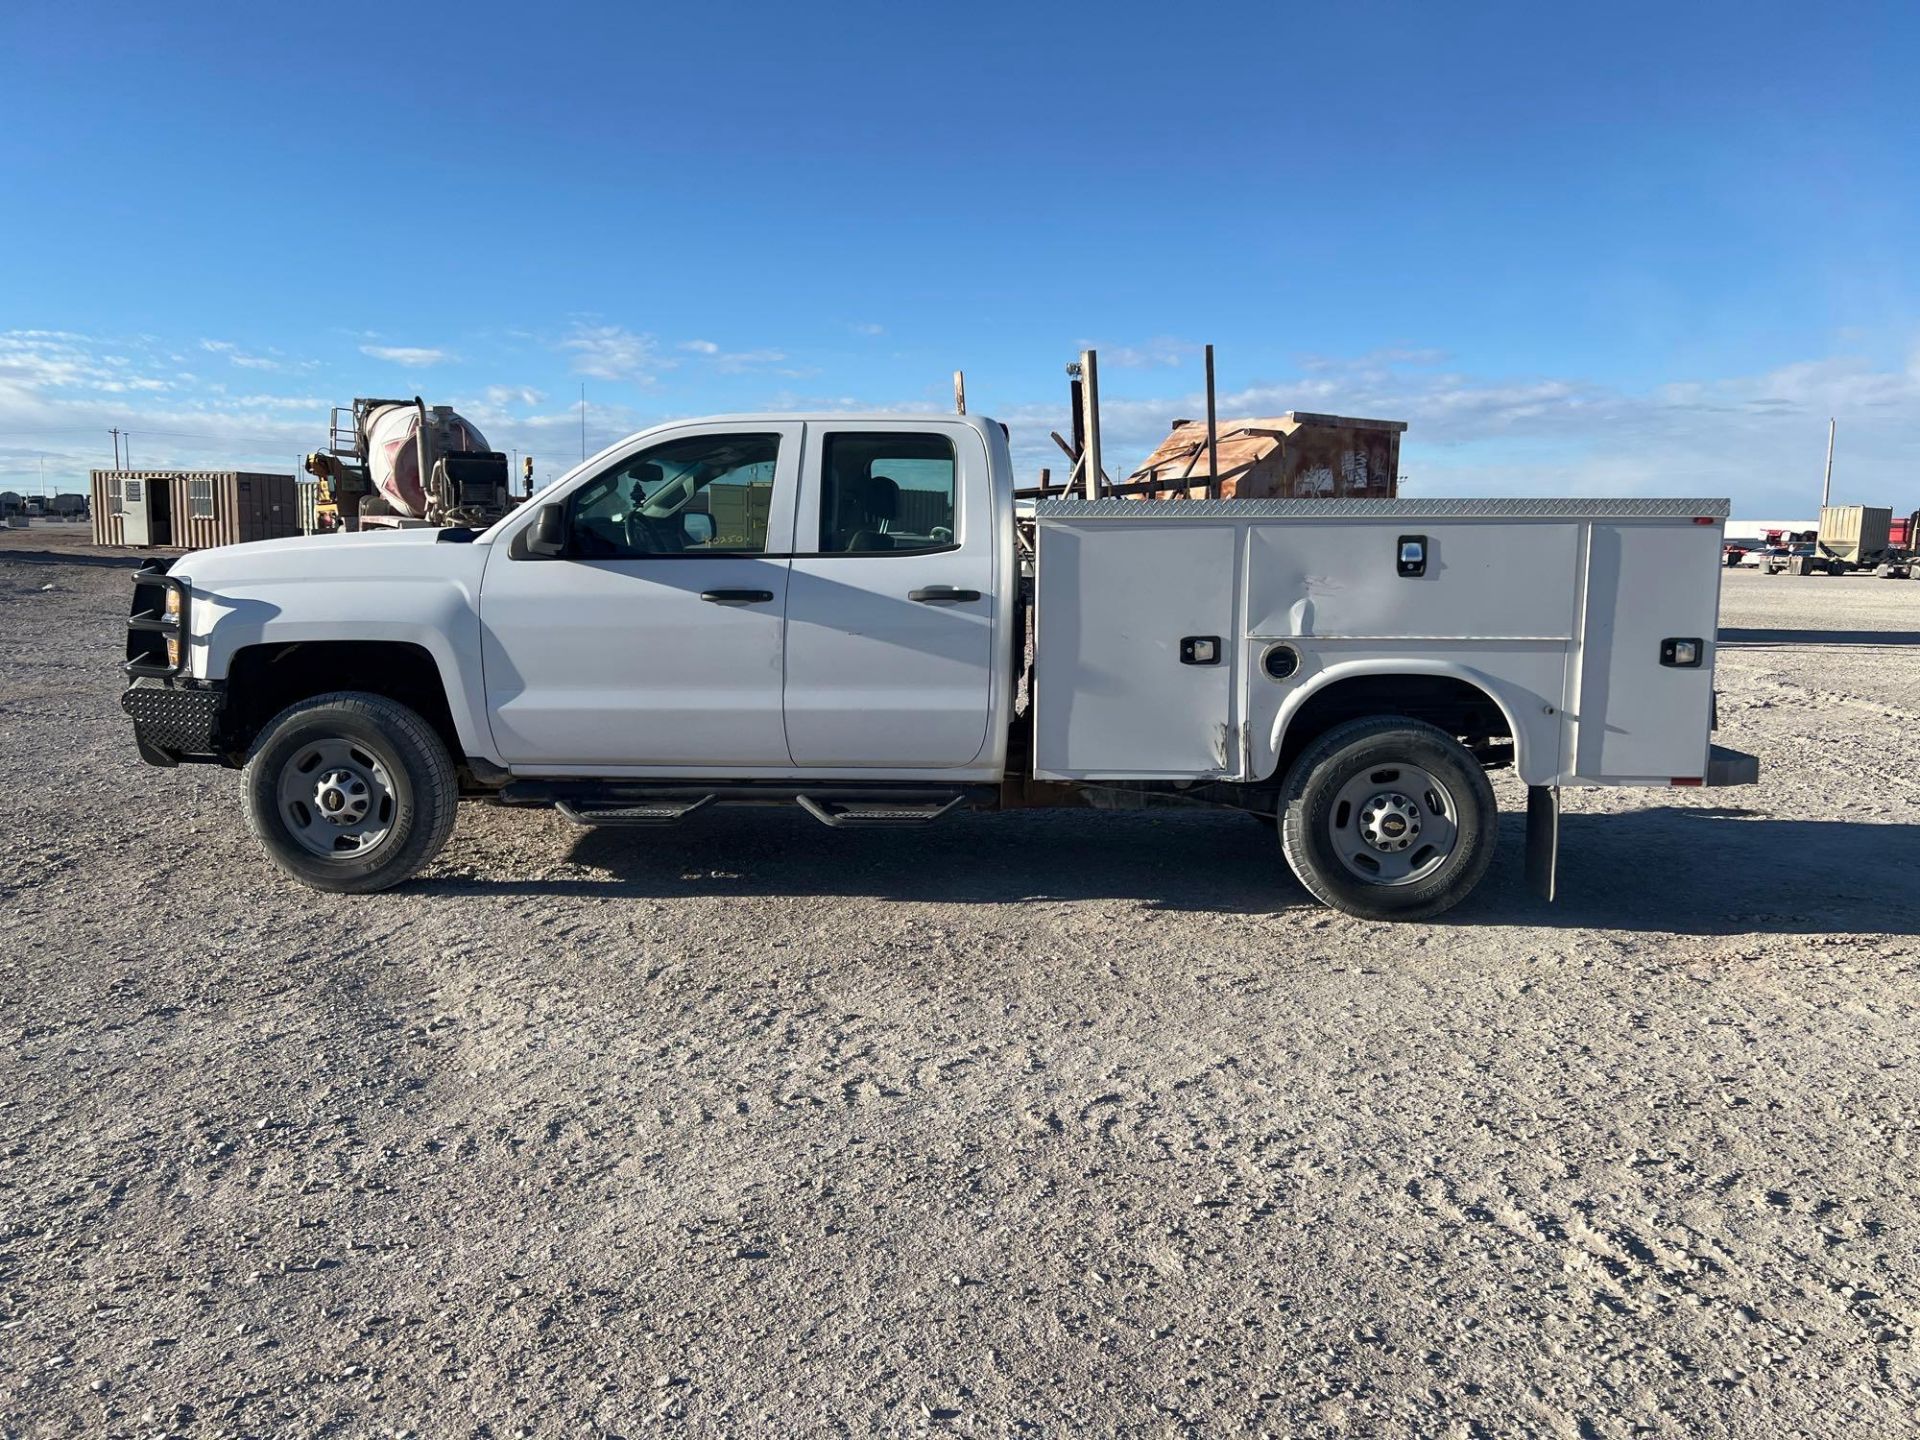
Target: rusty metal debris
[(1297, 456)]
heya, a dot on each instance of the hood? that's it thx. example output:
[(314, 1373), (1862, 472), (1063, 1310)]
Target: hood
[(347, 554)]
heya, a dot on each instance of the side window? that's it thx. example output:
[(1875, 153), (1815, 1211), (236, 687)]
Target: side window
[(200, 498), (704, 495), (886, 493)]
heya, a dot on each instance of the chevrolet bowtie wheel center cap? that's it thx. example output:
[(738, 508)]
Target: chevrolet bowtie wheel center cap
[(342, 797), (1390, 821)]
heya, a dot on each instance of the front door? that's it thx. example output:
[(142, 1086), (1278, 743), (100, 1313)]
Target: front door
[(890, 606), (656, 639)]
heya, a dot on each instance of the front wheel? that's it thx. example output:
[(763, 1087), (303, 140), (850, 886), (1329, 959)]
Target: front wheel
[(1388, 819), (350, 792)]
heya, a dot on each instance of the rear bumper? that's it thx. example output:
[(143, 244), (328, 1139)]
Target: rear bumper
[(173, 722), (1732, 767)]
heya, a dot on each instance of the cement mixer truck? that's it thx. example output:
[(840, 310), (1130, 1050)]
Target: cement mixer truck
[(402, 463)]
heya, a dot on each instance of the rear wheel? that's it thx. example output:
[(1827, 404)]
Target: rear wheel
[(1388, 819), (350, 792)]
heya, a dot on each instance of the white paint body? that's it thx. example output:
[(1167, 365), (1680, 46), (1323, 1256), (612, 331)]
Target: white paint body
[(1555, 609), (618, 668)]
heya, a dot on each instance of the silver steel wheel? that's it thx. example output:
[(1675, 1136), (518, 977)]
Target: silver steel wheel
[(1393, 824), (337, 799)]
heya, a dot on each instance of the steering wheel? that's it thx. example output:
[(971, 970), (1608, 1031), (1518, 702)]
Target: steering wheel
[(646, 536)]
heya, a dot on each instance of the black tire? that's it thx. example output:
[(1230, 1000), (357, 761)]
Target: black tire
[(416, 794), (1360, 752)]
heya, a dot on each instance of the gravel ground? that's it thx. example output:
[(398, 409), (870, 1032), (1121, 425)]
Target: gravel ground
[(1045, 1124)]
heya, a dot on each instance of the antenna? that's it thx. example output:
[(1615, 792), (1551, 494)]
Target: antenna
[(583, 419)]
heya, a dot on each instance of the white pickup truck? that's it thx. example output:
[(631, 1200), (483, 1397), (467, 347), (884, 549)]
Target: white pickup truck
[(853, 615)]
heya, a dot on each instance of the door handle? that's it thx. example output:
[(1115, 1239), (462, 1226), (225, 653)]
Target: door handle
[(736, 597), (942, 595)]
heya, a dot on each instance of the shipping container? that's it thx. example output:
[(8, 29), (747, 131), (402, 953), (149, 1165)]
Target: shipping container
[(1857, 534), (192, 509), (308, 492)]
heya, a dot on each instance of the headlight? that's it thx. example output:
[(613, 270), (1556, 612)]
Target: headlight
[(174, 638)]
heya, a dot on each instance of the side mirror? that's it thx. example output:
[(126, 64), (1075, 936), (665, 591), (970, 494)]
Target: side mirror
[(696, 527), (548, 535)]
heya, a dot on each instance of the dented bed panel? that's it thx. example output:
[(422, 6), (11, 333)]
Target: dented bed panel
[(1339, 579)]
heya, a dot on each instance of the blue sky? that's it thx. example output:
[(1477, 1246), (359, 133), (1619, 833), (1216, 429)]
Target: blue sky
[(1620, 249)]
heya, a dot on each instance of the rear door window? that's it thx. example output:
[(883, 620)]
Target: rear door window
[(885, 494)]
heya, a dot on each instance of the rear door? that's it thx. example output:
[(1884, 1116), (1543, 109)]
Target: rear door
[(890, 605), (656, 641)]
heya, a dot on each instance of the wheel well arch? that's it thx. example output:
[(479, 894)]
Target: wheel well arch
[(263, 680), (1456, 701)]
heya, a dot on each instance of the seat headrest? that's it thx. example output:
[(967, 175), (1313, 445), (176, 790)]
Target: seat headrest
[(882, 497)]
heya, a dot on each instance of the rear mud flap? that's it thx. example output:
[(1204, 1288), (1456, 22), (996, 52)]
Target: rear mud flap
[(1543, 840), (1731, 767)]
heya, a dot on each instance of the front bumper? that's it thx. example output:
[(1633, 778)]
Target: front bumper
[(175, 718), (175, 722)]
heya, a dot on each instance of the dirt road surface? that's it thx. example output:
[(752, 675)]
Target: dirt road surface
[(1038, 1124)]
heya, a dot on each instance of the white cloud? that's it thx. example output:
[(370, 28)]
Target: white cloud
[(610, 352), (732, 362), (1162, 350), (736, 361), (869, 330), (61, 360), (501, 396), (412, 356), (246, 360), (61, 392)]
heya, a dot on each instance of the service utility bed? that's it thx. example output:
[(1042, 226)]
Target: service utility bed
[(1590, 622)]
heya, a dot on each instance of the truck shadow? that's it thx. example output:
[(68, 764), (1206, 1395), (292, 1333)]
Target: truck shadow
[(1736, 636), (129, 561), (1710, 871), (1674, 869)]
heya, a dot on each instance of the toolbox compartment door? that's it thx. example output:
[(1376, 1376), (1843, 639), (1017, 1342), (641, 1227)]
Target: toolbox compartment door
[(1639, 717), (1125, 684)]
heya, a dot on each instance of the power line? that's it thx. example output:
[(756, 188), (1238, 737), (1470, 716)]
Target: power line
[(247, 436)]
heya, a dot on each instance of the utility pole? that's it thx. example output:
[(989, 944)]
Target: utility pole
[(1213, 436), (115, 432), (1826, 485), (1090, 409), (583, 419)]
